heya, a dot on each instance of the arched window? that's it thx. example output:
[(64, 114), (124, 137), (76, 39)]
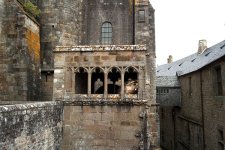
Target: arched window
[(114, 81), (97, 81), (131, 81), (106, 33), (81, 81)]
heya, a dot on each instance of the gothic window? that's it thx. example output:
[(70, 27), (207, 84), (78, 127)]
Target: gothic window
[(131, 81), (97, 81), (81, 81), (141, 16), (107, 33), (114, 81)]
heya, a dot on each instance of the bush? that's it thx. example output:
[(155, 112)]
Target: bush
[(32, 9)]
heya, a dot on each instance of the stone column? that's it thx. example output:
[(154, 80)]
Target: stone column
[(122, 84), (141, 82), (89, 84), (73, 81), (105, 85)]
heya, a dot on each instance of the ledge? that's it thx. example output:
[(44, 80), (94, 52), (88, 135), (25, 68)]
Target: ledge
[(32, 105), (104, 102), (91, 48)]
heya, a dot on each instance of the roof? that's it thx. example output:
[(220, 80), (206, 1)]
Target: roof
[(193, 62)]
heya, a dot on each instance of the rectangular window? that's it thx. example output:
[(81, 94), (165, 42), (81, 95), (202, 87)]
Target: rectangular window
[(157, 91), (190, 87), (218, 81), (141, 16)]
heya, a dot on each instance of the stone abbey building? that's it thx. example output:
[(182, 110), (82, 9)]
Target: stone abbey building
[(93, 61), (191, 93)]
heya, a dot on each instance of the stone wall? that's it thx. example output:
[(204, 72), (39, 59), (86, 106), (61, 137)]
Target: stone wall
[(31, 126), (167, 127), (191, 100), (67, 61), (46, 85), (199, 122), (19, 52), (145, 34), (214, 107), (61, 23), (102, 127), (188, 119), (118, 12)]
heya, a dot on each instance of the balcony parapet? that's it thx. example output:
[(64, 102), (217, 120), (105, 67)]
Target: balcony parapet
[(91, 48)]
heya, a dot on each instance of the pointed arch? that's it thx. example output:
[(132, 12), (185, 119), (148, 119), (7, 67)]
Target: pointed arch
[(97, 80), (114, 82), (131, 80), (81, 80)]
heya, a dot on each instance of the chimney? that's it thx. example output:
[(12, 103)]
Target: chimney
[(170, 59), (202, 46)]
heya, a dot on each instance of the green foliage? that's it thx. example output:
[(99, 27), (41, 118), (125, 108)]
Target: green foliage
[(32, 9)]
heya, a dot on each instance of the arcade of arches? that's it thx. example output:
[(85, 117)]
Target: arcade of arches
[(97, 80)]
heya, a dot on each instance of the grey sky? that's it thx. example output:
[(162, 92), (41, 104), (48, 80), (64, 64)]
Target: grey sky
[(181, 23)]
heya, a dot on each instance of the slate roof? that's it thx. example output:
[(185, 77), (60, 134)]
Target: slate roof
[(193, 62)]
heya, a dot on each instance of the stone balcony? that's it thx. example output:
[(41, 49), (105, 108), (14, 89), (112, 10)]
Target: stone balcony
[(119, 69)]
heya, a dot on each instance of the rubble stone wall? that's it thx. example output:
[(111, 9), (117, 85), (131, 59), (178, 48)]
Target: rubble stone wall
[(31, 126)]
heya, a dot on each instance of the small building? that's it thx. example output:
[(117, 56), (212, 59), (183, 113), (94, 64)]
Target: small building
[(191, 93)]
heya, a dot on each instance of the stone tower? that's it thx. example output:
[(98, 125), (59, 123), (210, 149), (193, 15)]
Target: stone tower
[(104, 71), (19, 53)]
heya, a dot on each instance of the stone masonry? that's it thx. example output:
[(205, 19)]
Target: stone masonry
[(31, 126), (104, 93), (19, 53), (89, 113), (104, 127), (198, 121)]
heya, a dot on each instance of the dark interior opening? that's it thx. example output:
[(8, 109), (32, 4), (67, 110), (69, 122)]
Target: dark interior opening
[(97, 81), (114, 81), (81, 82), (131, 81)]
